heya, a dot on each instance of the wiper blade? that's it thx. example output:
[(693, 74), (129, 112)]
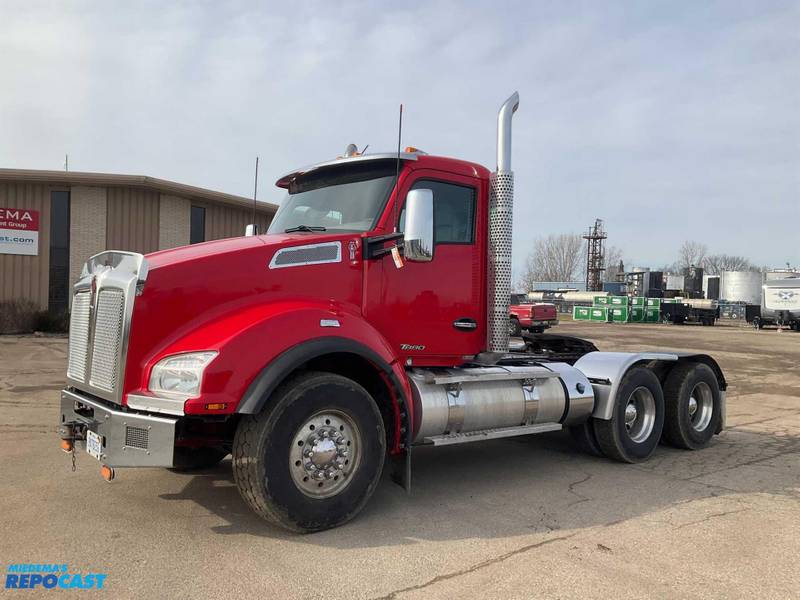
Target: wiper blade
[(304, 228)]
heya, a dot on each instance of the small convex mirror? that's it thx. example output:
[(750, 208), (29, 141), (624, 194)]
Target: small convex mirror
[(418, 236)]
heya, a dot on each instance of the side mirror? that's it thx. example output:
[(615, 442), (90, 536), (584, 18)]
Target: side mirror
[(251, 230), (418, 236)]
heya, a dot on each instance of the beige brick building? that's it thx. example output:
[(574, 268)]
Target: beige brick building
[(52, 221)]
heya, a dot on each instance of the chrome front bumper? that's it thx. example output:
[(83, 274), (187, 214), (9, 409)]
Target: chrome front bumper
[(129, 439)]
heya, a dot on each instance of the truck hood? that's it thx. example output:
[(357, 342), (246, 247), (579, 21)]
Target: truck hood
[(184, 254), (191, 288)]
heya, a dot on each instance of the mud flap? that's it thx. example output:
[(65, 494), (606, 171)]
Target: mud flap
[(400, 469)]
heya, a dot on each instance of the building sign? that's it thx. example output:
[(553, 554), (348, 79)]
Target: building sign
[(19, 231)]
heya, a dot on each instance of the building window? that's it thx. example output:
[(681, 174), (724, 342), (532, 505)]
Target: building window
[(197, 232), (58, 294)]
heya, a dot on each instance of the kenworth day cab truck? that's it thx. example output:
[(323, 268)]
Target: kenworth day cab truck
[(371, 319)]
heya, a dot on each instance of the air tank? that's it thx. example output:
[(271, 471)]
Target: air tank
[(741, 286)]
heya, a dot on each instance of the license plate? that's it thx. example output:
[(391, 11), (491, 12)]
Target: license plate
[(94, 444)]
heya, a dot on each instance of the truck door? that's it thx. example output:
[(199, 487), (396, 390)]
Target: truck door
[(433, 312)]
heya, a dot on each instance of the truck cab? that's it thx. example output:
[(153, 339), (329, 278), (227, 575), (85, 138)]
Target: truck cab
[(371, 318)]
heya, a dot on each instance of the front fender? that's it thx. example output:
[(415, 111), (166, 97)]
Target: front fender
[(248, 340)]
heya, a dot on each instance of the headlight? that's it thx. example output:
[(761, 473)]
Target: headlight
[(180, 375)]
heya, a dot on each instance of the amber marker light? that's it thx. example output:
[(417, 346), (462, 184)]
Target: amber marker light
[(219, 406), (107, 473), (66, 445)]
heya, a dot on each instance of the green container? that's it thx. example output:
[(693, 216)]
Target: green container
[(619, 300), (581, 313), (637, 314), (600, 300), (654, 302), (618, 314), (599, 313), (637, 301), (652, 315)]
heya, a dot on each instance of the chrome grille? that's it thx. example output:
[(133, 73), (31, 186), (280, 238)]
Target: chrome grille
[(79, 336), (107, 339)]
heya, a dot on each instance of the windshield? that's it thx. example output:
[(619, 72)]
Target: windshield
[(336, 199)]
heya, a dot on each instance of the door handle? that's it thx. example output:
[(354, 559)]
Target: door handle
[(465, 324)]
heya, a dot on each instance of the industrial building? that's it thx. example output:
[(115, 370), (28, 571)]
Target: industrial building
[(52, 221)]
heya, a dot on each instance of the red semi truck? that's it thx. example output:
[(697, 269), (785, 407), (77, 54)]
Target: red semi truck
[(371, 319)]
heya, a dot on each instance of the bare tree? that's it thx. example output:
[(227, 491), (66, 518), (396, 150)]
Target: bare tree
[(613, 260), (715, 264), (553, 258), (691, 253)]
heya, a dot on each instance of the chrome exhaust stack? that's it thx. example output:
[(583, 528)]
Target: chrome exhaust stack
[(501, 213)]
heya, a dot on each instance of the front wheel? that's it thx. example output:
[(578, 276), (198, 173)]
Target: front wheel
[(312, 459), (634, 430)]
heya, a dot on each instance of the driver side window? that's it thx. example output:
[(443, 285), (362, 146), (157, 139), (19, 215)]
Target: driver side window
[(453, 211)]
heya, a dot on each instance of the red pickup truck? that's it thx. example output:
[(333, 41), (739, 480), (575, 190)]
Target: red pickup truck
[(533, 317)]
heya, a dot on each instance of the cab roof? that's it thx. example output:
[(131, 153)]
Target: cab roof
[(417, 160)]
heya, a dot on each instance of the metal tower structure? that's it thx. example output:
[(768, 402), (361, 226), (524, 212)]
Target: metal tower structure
[(595, 256)]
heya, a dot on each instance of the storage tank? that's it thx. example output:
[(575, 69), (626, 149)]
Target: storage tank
[(582, 296), (741, 286)]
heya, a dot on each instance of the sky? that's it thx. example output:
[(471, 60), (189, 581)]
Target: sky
[(671, 121)]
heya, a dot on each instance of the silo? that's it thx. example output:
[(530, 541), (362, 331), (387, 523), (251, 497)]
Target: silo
[(741, 286)]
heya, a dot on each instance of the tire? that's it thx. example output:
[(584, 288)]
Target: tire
[(190, 459), (635, 441), (584, 437), (687, 426), (279, 481), (514, 328)]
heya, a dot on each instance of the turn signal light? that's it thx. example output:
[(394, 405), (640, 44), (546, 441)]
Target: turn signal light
[(107, 473), (66, 445), (219, 406)]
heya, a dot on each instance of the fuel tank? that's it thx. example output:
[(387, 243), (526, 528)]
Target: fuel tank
[(462, 400)]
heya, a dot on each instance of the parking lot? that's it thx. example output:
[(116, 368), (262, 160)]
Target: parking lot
[(517, 518)]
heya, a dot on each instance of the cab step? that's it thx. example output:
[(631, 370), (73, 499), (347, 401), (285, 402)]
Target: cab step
[(490, 434)]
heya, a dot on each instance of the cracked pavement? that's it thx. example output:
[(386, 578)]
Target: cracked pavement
[(515, 518)]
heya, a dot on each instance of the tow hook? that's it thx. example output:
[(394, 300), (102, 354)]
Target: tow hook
[(69, 433)]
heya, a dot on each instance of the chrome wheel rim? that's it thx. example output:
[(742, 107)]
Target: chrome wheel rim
[(324, 454), (701, 406), (640, 414)]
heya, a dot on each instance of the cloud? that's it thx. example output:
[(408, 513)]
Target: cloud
[(671, 122)]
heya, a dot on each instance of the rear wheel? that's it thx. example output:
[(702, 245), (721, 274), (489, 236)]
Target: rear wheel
[(312, 459), (692, 406), (633, 432), (514, 328), (584, 437)]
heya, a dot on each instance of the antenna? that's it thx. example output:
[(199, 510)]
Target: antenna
[(397, 170), (255, 193), (66, 162)]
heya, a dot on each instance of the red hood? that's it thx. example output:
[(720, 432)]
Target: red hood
[(205, 250), (190, 287)]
